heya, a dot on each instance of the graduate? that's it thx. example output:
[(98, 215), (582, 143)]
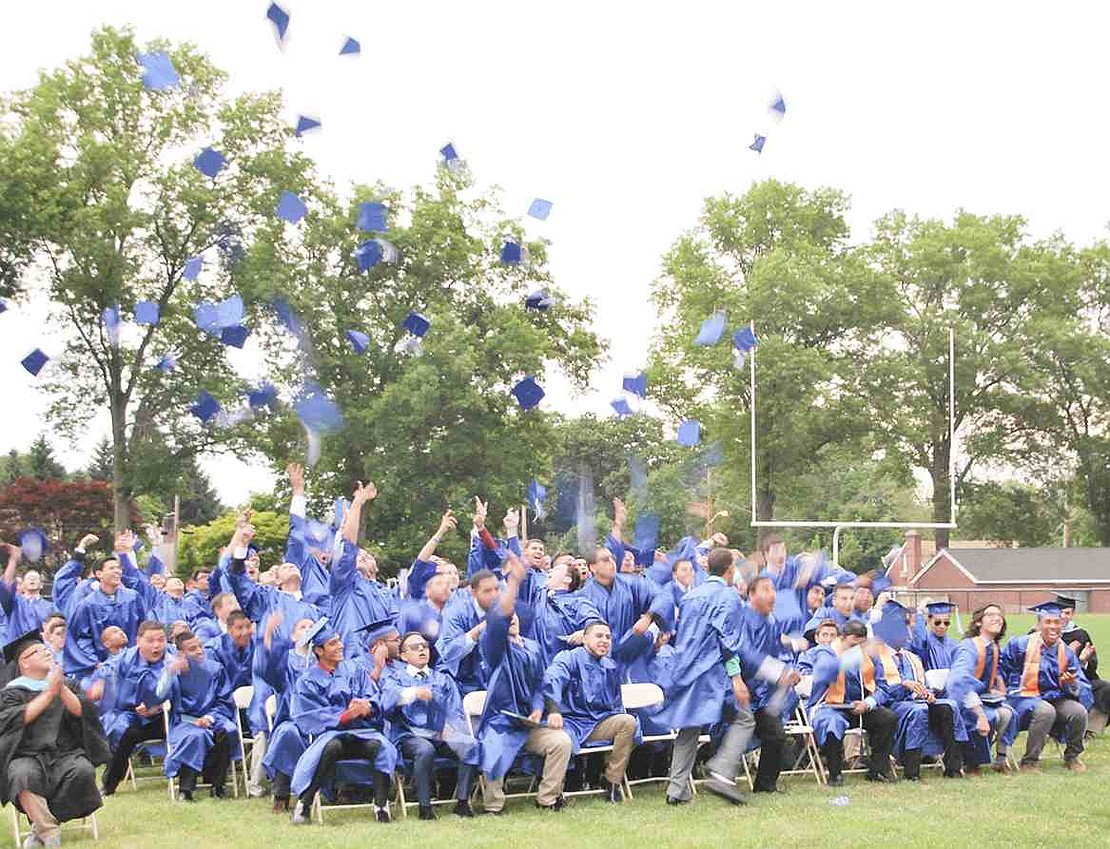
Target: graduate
[(51, 741), (464, 621), (337, 705), (847, 689), (357, 600), (25, 610), (514, 706), (70, 584), (582, 696), (920, 713), (128, 685), (280, 662), (823, 635), (110, 604), (203, 735), (54, 635), (311, 563), (841, 605), (197, 602), (930, 640), (619, 599), (973, 681), (1079, 641), (560, 612), (1045, 687), (426, 721)]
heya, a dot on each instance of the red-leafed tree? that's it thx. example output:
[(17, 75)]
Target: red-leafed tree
[(64, 509)]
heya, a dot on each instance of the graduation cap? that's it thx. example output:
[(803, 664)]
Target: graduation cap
[(528, 393), (621, 407), (371, 217), (711, 329), (1046, 608), (192, 268), (34, 361), (167, 364), (757, 145), (264, 396), (235, 336), (305, 123), (147, 312), (537, 494), (893, 625), (377, 630), (511, 253), (317, 412), (205, 407), (540, 209), (111, 321), (159, 73), (539, 300), (645, 533), (290, 208), (1066, 602), (689, 433), (417, 324), (318, 534), (321, 632), (636, 384), (778, 106), (3, 306), (744, 339), (280, 19), (939, 608), (32, 544), (787, 609), (209, 162), (359, 340), (350, 47), (14, 649), (368, 254), (880, 583)]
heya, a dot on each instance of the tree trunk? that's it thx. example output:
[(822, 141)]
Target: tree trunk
[(764, 512), (941, 480), (121, 492)]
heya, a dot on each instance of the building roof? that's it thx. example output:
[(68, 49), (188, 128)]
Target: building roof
[(1029, 565)]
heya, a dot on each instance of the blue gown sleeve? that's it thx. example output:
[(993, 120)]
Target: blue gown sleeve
[(7, 597), (559, 674), (155, 566), (513, 544), (271, 665), (962, 682), (452, 645), (65, 583), (344, 573), (256, 600), (495, 638), (295, 549), (616, 548), (475, 560)]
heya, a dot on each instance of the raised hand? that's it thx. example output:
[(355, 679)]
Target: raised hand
[(88, 541), (511, 521), (295, 471), (365, 492), (480, 510), (446, 524), (125, 541), (620, 513)]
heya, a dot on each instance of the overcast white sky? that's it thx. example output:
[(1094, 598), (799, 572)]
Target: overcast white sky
[(627, 115)]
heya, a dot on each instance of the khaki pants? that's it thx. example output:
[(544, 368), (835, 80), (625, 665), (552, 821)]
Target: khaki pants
[(43, 824)]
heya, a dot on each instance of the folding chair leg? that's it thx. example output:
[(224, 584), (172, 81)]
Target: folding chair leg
[(131, 775), (400, 779), (94, 826), (317, 809), (626, 788), (15, 826)]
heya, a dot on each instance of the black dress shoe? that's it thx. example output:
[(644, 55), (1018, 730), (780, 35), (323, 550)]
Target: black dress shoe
[(426, 812), (382, 815), (187, 796), (559, 803), (613, 794), (836, 781), (881, 778), (218, 792), (671, 800), (463, 809)]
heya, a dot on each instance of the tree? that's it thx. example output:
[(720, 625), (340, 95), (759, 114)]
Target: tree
[(13, 467), (778, 255), (106, 166), (41, 462), (200, 545), (100, 467), (432, 428)]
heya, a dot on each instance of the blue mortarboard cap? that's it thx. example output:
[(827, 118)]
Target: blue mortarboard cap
[(636, 384), (893, 625), (167, 364), (448, 153), (229, 311), (880, 583), (540, 209), (528, 393), (318, 534), (350, 47), (689, 433), (306, 123), (538, 300), (159, 73), (291, 208), (146, 312), (32, 544), (368, 254), (235, 336), (34, 361), (778, 106), (317, 412), (537, 494), (757, 145), (359, 340), (109, 317), (377, 630), (645, 533), (711, 329), (192, 268), (511, 253), (744, 339), (3, 306), (205, 407), (1046, 608), (207, 317), (209, 162), (621, 407), (264, 396), (840, 579), (939, 608), (371, 217), (280, 19), (417, 324), (321, 633)]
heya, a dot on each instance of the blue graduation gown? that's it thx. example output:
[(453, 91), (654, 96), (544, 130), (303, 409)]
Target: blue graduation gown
[(965, 689), (440, 719), (319, 699), (239, 664), (67, 582), (280, 667), (515, 673), (827, 721), (935, 652), (557, 615), (94, 613), (195, 606), (913, 713), (457, 657), (587, 689), (23, 614), (621, 604), (1012, 665), (201, 690), (314, 575), (159, 606), (355, 601), (129, 680), (260, 602)]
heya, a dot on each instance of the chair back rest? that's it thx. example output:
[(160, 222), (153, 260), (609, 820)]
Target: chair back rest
[(243, 696), (473, 705), (641, 695), (936, 679), (804, 687)]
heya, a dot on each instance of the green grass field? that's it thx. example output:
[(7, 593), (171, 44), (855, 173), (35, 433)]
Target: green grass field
[(992, 811)]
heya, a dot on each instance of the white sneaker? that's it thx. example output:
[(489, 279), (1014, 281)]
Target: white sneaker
[(300, 815)]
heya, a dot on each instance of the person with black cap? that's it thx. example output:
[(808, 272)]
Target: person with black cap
[(1080, 642), (50, 741)]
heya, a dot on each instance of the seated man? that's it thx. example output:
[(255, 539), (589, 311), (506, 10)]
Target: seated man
[(823, 635), (930, 640), (974, 678), (1079, 641), (426, 721), (50, 742), (582, 694), (1044, 686), (846, 689), (337, 704), (203, 736)]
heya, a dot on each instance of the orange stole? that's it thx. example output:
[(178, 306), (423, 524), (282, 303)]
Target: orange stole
[(981, 644), (836, 691), (1031, 672)]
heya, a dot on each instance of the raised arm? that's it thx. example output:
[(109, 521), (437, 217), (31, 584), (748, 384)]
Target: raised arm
[(295, 548), (67, 578), (7, 585)]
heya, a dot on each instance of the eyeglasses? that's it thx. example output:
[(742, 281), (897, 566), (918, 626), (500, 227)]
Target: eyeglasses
[(944, 622), (417, 646)]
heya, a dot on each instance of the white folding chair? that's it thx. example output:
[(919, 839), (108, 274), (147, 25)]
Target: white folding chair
[(242, 696), (87, 824), (636, 697)]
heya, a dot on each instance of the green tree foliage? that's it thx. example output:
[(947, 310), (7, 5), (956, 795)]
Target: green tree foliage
[(200, 545), (41, 462)]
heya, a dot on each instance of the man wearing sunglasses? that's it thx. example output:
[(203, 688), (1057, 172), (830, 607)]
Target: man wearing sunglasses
[(931, 641)]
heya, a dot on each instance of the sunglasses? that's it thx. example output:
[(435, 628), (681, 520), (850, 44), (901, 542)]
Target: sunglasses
[(417, 646), (944, 622)]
